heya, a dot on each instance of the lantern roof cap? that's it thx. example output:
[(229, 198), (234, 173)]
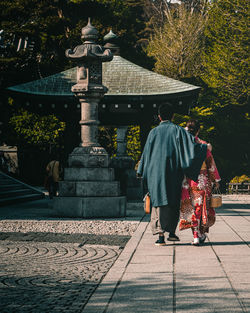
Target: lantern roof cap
[(89, 32)]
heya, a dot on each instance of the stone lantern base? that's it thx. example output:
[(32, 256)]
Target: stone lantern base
[(89, 189), (90, 207)]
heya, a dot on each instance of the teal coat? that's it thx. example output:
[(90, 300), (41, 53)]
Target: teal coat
[(170, 153)]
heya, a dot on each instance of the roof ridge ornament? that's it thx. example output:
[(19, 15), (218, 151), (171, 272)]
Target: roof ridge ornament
[(110, 36), (112, 42)]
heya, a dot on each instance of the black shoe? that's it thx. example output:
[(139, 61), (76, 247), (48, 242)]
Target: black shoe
[(160, 241), (203, 238), (173, 237)]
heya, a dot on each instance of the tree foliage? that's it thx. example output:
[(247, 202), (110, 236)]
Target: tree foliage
[(176, 44), (240, 179), (225, 71), (43, 24), (55, 26), (221, 53), (36, 130), (107, 139), (133, 142), (226, 57)]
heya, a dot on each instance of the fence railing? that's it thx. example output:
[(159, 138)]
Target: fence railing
[(242, 188)]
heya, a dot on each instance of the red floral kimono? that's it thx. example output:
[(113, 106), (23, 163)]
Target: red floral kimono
[(195, 211)]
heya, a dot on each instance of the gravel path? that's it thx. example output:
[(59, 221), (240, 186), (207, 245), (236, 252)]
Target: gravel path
[(98, 227)]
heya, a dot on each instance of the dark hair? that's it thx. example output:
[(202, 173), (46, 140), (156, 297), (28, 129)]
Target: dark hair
[(193, 126), (165, 111)]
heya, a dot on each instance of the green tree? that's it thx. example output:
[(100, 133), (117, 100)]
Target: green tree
[(39, 138), (107, 139), (125, 17), (176, 43), (40, 22), (226, 57), (222, 71), (41, 131), (231, 140), (225, 71), (133, 142), (56, 25)]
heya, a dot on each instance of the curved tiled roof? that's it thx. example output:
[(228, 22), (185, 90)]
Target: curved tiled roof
[(122, 77)]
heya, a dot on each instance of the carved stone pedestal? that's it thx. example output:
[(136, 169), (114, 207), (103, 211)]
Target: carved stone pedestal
[(89, 189), (90, 207)]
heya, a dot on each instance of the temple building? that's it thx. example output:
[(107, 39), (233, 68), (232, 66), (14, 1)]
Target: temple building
[(134, 94)]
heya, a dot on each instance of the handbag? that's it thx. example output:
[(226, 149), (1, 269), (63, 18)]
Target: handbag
[(147, 204), (216, 198)]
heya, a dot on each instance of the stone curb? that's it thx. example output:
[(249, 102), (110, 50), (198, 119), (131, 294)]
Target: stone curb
[(99, 301)]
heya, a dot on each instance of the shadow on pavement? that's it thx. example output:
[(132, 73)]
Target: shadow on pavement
[(217, 243), (153, 293), (82, 239)]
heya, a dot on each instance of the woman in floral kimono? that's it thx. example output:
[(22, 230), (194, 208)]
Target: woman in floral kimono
[(196, 212)]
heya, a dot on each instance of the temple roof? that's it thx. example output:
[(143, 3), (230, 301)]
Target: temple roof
[(122, 77)]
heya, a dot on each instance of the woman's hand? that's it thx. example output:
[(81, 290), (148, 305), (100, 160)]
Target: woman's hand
[(217, 185)]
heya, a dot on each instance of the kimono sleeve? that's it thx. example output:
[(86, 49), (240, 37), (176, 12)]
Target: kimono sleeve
[(191, 154), (213, 173)]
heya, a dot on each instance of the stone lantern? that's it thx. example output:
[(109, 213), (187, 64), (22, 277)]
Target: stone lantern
[(89, 188), (89, 90)]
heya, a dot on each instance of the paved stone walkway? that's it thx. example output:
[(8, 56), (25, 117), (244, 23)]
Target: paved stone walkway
[(180, 277)]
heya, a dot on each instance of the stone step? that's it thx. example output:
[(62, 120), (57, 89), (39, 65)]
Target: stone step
[(20, 198), (89, 189), (135, 193), (90, 207), (15, 191), (135, 205), (88, 174), (10, 187)]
